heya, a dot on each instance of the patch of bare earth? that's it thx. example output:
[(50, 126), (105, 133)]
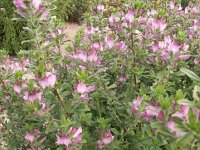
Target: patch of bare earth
[(70, 31)]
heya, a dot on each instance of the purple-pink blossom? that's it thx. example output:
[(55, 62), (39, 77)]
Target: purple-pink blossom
[(171, 125), (109, 42), (48, 81), (135, 105), (121, 46), (36, 3), (182, 113), (153, 110), (173, 47), (20, 4), (158, 24), (100, 7), (31, 136), (106, 139), (73, 137), (82, 88)]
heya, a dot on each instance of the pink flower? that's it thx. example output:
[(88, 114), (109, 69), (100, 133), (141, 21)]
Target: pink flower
[(196, 60), (136, 103), (30, 136), (197, 113), (19, 4), (168, 39), (154, 47), (48, 81), (182, 113), (162, 44), (130, 16), (43, 82), (109, 42), (77, 135), (82, 56), (152, 12), (92, 56), (173, 47), (175, 131), (64, 140), (44, 15), (152, 110), (17, 89), (36, 3), (82, 88), (171, 5), (113, 20), (121, 46), (73, 137), (51, 79), (185, 47), (105, 140), (35, 96), (158, 24), (184, 57), (100, 7), (98, 46)]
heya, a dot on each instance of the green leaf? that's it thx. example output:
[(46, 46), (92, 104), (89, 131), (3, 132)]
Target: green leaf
[(184, 140), (192, 119), (196, 93), (187, 102), (159, 90), (112, 86), (190, 74), (180, 95), (65, 123)]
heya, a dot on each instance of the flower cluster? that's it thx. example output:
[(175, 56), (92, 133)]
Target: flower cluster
[(73, 137)]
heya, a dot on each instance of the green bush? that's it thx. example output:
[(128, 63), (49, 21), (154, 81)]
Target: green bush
[(71, 10), (11, 32)]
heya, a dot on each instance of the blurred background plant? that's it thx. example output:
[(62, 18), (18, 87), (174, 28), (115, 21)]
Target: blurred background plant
[(11, 32), (72, 10)]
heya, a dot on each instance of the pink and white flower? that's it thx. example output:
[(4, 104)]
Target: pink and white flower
[(109, 42), (48, 81), (135, 105), (105, 140), (82, 88), (73, 137)]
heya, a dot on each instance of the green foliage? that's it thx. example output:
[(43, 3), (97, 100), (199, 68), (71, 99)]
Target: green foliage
[(71, 10), (11, 32)]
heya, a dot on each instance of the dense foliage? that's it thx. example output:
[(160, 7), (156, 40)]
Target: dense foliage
[(72, 10), (125, 84), (11, 32)]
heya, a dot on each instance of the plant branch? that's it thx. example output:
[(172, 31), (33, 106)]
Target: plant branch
[(59, 97)]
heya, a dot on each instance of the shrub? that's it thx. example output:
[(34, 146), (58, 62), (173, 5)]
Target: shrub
[(11, 32), (123, 84), (72, 10)]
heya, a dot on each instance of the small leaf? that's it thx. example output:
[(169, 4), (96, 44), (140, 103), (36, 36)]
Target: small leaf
[(159, 90), (27, 29), (184, 140), (190, 74), (192, 119), (196, 93), (187, 102), (112, 86), (180, 95)]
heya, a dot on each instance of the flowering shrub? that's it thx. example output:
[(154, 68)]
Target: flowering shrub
[(121, 86)]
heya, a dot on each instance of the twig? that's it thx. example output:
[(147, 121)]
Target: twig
[(59, 97), (4, 86), (134, 65)]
